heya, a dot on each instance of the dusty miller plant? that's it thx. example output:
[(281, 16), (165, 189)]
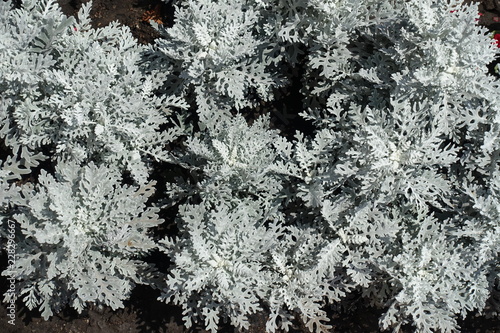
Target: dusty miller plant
[(393, 194), (405, 124), (78, 93), (232, 159), (401, 135), (213, 51), (82, 234), (78, 96), (219, 261)]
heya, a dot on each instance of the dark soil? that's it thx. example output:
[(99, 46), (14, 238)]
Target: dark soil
[(143, 313)]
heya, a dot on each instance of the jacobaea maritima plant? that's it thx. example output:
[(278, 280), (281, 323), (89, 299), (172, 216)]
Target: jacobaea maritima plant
[(393, 193), (82, 236)]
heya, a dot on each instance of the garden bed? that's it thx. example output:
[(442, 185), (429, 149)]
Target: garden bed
[(143, 313)]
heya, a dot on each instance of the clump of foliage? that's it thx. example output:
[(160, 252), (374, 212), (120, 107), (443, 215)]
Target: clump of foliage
[(394, 193), (82, 236)]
